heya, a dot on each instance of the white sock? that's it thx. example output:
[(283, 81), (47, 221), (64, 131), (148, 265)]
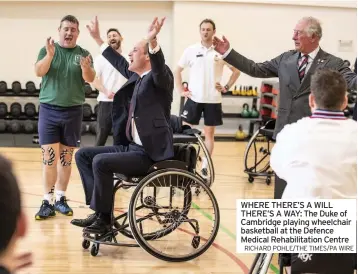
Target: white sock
[(59, 194), (204, 163), (49, 197)]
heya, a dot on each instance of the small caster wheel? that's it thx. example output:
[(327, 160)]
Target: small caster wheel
[(268, 181), (85, 244), (94, 250), (197, 191), (251, 179), (195, 242)]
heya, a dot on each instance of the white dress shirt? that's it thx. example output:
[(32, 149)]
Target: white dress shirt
[(135, 135), (317, 157), (311, 57)]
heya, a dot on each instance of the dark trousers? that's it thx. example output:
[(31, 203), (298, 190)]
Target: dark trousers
[(97, 165), (104, 122), (280, 186)]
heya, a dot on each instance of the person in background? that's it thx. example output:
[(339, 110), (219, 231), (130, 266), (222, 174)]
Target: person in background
[(204, 94), (294, 69), (108, 81), (64, 67), (301, 156), (13, 221)]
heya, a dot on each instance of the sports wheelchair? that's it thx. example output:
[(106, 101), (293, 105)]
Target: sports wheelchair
[(152, 220), (257, 165)]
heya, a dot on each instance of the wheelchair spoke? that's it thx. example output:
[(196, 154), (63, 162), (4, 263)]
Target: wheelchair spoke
[(186, 231)]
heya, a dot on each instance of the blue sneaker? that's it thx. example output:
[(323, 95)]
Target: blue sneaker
[(62, 207), (46, 211)]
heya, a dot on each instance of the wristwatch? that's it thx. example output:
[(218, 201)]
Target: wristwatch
[(226, 87)]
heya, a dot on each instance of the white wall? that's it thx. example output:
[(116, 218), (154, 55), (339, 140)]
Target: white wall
[(258, 30), (25, 26), (262, 31)]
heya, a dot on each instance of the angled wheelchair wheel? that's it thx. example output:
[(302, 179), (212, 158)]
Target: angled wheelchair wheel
[(122, 225), (204, 166), (257, 157), (191, 221), (261, 263)]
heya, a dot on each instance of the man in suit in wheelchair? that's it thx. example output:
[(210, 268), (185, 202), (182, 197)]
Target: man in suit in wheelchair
[(142, 132)]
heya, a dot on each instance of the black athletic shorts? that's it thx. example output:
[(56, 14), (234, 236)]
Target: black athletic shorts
[(60, 125), (192, 113), (334, 263)]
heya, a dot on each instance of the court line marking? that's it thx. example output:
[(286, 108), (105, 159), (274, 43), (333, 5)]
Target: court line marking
[(229, 233), (240, 263)]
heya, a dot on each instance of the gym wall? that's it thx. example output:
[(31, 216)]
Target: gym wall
[(258, 30)]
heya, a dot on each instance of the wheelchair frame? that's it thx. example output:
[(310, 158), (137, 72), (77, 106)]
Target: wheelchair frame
[(171, 168), (192, 136), (253, 172), (261, 263)]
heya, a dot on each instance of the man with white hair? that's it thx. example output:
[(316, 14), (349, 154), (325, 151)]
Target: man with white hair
[(294, 69)]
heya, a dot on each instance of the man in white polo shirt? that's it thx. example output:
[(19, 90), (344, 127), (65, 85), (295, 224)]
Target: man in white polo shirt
[(205, 84), (108, 81)]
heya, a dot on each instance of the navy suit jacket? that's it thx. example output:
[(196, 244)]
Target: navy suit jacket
[(153, 105)]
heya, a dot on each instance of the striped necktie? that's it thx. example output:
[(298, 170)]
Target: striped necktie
[(302, 67)]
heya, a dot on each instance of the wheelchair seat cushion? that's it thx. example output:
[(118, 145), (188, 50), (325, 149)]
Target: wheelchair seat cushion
[(183, 138), (187, 154), (266, 132)]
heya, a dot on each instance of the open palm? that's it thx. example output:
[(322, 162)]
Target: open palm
[(221, 46), (50, 47), (155, 28), (93, 28)]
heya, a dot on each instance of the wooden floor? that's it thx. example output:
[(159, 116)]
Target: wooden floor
[(56, 244)]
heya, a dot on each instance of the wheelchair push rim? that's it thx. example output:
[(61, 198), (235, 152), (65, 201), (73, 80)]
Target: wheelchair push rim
[(182, 218), (261, 263)]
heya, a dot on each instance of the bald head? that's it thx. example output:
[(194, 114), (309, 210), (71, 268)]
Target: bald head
[(307, 34)]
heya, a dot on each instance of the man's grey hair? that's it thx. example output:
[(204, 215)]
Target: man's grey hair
[(313, 27)]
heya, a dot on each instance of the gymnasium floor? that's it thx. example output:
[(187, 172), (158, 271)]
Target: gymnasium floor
[(56, 244)]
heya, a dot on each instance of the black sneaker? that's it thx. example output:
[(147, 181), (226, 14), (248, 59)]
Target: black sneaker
[(46, 211), (85, 222), (62, 207)]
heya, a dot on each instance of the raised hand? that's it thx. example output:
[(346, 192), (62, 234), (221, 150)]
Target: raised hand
[(86, 62), (155, 28), (93, 28), (221, 46), (50, 47)]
